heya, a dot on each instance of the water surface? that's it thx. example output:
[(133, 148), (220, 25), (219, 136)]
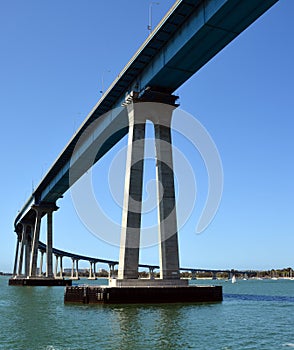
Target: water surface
[(254, 315)]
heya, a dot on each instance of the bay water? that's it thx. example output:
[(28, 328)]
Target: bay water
[(255, 314)]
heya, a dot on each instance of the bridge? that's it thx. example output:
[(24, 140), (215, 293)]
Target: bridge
[(61, 254), (190, 34)]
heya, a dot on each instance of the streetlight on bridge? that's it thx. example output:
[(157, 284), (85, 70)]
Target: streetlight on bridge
[(149, 27)]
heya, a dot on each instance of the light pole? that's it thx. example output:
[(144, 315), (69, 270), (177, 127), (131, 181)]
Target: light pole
[(149, 27), (102, 81)]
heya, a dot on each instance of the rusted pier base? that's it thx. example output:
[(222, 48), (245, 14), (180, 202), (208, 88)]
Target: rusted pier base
[(50, 282), (153, 294)]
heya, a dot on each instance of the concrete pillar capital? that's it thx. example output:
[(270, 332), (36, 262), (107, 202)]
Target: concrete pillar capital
[(25, 225), (157, 113), (152, 104), (44, 208)]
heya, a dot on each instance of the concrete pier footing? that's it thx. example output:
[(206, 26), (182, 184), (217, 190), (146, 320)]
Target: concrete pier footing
[(142, 294), (50, 282)]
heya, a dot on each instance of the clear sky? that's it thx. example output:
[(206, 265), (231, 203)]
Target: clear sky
[(54, 56)]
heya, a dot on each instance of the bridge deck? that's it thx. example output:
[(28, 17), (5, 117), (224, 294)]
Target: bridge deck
[(190, 34)]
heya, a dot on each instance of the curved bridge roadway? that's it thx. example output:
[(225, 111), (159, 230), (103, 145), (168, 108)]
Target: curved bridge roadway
[(60, 254)]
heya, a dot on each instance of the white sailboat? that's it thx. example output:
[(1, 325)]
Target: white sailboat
[(234, 279)]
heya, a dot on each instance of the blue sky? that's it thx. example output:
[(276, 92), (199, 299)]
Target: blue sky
[(53, 58)]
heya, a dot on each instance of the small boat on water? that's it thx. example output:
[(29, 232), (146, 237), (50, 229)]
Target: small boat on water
[(234, 279)]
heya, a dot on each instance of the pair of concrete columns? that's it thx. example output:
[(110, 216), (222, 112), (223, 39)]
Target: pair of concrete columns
[(160, 114), (75, 270), (44, 209), (23, 251), (58, 258), (29, 241)]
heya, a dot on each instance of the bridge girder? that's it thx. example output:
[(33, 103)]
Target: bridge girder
[(190, 34)]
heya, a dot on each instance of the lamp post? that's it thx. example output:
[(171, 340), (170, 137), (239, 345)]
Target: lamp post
[(149, 27), (102, 81)]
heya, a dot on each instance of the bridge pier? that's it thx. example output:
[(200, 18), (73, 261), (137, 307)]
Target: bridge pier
[(75, 271), (193, 275), (92, 275), (40, 210), (58, 260), (22, 247), (25, 271), (160, 114), (111, 270), (151, 273)]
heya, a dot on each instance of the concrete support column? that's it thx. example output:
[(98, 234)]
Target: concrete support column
[(72, 268), (41, 264), (49, 247), (77, 269), (56, 265), (168, 233), (109, 273), (16, 259), (94, 269), (28, 253), (23, 243), (90, 270), (61, 267), (131, 216), (35, 243)]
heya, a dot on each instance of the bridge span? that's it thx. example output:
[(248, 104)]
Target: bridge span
[(61, 254), (190, 34)]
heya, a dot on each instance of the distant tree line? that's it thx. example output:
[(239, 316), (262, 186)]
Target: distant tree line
[(273, 273), (287, 272)]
